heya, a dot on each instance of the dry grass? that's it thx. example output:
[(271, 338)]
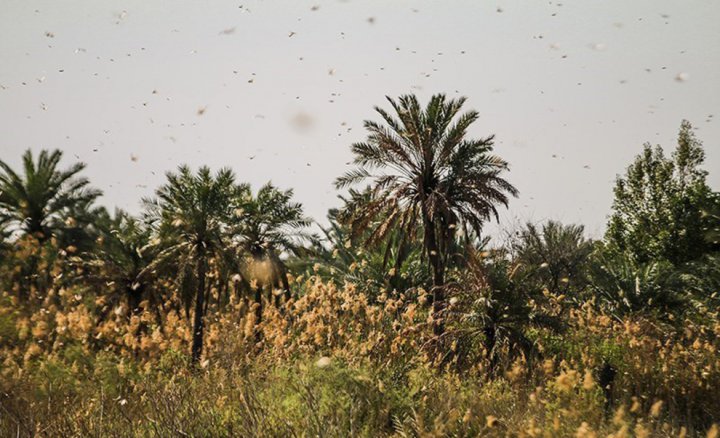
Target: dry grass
[(331, 364)]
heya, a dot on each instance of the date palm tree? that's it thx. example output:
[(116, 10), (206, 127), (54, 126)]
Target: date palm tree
[(264, 227), (554, 256), (425, 174), (40, 202), (191, 212), (43, 202), (494, 304), (120, 259), (396, 268), (625, 287)]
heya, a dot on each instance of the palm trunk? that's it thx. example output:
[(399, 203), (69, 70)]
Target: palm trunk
[(198, 323), (159, 310), (223, 293), (134, 299), (242, 289), (259, 287), (606, 378), (402, 253), (285, 284), (258, 312), (490, 340), (279, 274), (36, 229), (438, 272), (208, 298)]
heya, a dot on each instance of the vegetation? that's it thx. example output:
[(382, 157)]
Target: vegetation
[(426, 176), (191, 213), (216, 312), (658, 213), (38, 202)]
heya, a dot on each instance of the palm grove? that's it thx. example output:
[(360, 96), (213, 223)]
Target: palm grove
[(411, 225)]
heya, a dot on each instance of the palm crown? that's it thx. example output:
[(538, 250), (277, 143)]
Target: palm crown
[(39, 202), (269, 221)]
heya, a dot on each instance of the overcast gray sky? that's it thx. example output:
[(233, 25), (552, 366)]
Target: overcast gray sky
[(571, 89)]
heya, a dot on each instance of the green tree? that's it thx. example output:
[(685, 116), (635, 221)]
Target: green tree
[(395, 268), (554, 256), (264, 227), (192, 212), (493, 303), (624, 287), (51, 211), (426, 175), (120, 260), (659, 203), (45, 200)]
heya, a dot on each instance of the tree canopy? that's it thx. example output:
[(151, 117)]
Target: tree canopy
[(658, 211)]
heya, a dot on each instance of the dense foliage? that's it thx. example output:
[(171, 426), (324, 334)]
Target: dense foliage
[(660, 204), (217, 312)]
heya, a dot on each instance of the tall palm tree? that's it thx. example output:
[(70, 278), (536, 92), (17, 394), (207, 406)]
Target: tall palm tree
[(41, 201), (425, 174), (266, 226), (191, 212)]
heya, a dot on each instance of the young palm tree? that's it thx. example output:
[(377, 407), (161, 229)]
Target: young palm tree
[(554, 256), (41, 201), (264, 227), (191, 212), (120, 259), (425, 174), (495, 305), (397, 267), (625, 287)]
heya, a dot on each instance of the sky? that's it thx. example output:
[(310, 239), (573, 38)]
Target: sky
[(278, 89)]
